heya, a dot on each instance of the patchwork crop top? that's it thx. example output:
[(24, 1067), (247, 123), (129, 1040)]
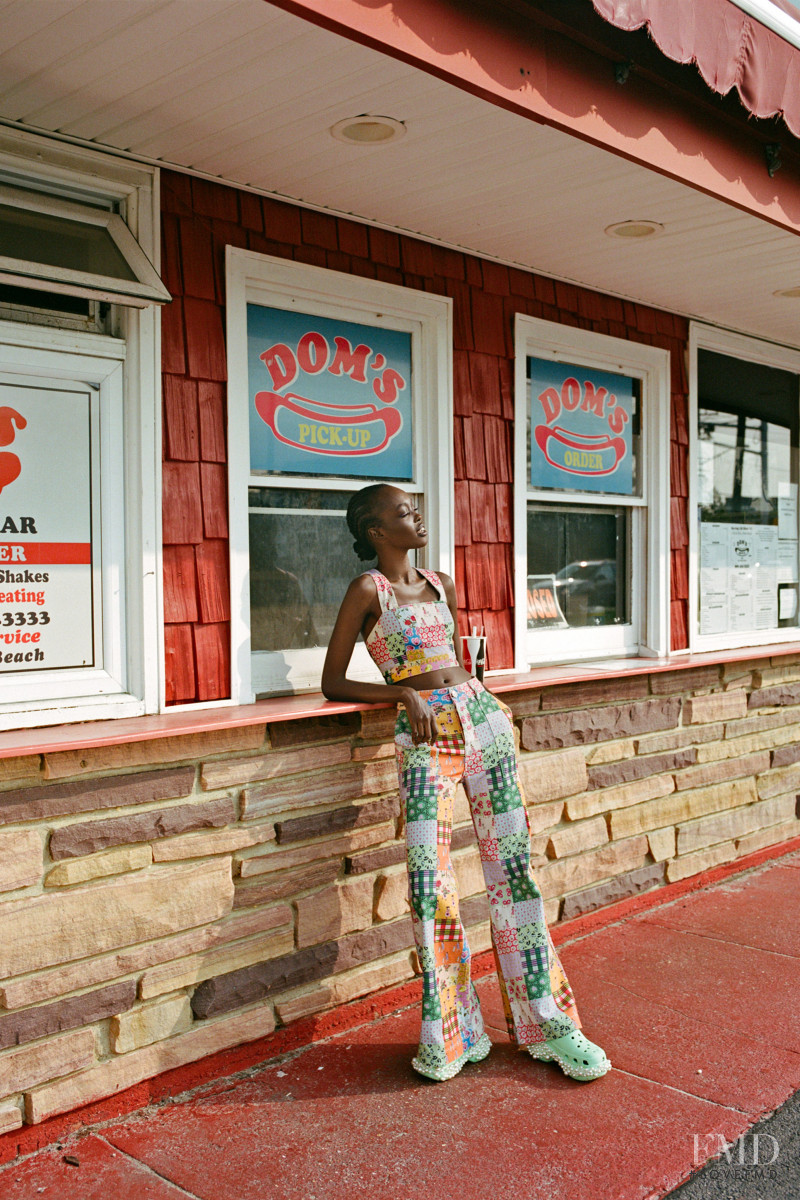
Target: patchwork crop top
[(410, 639)]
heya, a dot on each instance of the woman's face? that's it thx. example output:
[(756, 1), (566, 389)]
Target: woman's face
[(400, 521)]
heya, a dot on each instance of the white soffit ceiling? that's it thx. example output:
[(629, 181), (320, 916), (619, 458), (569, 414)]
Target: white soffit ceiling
[(241, 90)]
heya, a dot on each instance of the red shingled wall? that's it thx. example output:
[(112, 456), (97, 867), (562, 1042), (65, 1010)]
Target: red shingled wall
[(199, 219)]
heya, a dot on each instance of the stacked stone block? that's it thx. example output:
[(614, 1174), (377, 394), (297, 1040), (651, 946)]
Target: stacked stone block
[(163, 900)]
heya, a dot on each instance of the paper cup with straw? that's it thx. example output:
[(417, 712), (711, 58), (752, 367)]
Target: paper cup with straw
[(474, 652)]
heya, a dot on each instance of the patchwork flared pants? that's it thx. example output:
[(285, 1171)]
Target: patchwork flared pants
[(475, 746)]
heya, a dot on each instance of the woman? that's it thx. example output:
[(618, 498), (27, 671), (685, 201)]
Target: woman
[(450, 729)]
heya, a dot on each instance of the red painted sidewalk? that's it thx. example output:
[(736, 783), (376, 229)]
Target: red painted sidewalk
[(696, 1001)]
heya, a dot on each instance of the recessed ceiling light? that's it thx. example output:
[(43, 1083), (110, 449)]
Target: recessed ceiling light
[(635, 229), (367, 130), (792, 293)]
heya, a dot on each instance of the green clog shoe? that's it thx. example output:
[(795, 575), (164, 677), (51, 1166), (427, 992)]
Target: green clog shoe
[(575, 1054), (475, 1054)]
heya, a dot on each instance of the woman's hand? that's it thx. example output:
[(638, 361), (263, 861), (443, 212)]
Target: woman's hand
[(420, 716)]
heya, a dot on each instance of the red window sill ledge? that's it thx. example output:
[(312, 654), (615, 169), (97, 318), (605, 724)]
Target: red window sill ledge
[(16, 743)]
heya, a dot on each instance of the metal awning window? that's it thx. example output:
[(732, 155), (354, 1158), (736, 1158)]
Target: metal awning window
[(55, 245)]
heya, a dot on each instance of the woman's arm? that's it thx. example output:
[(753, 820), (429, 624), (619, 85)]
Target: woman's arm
[(452, 604), (359, 600)]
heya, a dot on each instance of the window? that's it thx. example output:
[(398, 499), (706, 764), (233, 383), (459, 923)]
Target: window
[(334, 383), (745, 422), (591, 512), (50, 308), (79, 388), (53, 244), (59, 521)]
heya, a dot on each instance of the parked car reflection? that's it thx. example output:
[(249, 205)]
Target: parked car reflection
[(587, 591)]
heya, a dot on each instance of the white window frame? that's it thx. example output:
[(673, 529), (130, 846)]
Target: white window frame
[(126, 370), (647, 634), (278, 283), (145, 289), (769, 354)]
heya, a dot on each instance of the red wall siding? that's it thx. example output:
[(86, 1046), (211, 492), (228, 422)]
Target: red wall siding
[(199, 219)]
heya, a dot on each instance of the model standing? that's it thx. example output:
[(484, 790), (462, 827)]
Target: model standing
[(450, 729)]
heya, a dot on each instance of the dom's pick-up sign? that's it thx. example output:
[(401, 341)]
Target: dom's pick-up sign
[(581, 428), (328, 397)]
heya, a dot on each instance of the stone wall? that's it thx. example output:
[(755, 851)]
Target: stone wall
[(163, 900)]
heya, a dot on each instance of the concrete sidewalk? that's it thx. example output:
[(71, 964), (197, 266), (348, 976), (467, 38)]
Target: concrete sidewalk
[(696, 1001)]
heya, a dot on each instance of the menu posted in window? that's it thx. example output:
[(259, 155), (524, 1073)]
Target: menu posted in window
[(741, 568), (787, 511), (46, 582)]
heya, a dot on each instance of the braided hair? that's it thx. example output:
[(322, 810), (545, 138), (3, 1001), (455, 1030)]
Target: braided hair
[(362, 513)]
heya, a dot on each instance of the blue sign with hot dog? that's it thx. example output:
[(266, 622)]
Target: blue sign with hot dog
[(581, 428), (327, 396)]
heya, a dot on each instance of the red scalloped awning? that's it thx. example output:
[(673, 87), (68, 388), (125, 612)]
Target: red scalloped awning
[(729, 48)]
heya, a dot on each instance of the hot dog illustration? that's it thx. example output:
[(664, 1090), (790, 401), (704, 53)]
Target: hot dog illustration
[(580, 453), (328, 428), (10, 466)]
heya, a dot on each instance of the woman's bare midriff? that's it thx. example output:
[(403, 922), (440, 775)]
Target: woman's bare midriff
[(448, 677)]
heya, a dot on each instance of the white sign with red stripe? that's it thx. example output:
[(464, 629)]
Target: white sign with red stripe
[(46, 583)]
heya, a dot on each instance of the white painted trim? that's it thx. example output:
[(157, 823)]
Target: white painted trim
[(657, 397), (143, 387), (595, 500), (238, 462), (648, 633), (320, 483), (37, 714), (102, 379), (78, 166), (202, 705), (735, 345), (317, 290), (85, 173), (66, 341), (109, 485), (65, 359), (148, 330), (145, 289)]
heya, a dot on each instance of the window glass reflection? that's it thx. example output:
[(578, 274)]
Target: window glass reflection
[(577, 565), (61, 242), (301, 563), (747, 440)]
